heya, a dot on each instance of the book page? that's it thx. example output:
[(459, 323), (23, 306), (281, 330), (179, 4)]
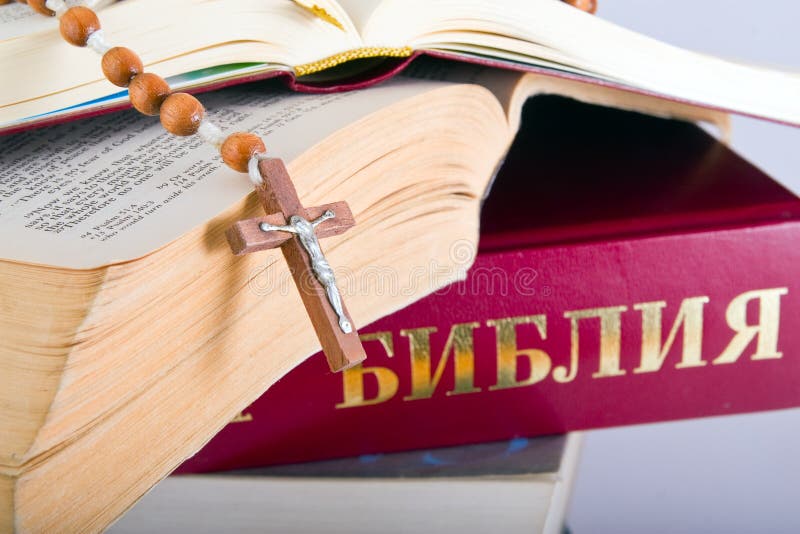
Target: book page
[(18, 19), (359, 11), (554, 35), (502, 83), (114, 188)]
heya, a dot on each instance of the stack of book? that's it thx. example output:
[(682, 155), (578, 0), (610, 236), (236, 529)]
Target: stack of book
[(589, 305), (515, 486), (544, 248)]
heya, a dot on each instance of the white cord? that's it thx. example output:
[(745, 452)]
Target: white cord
[(252, 168), (97, 42), (59, 7), (211, 133)]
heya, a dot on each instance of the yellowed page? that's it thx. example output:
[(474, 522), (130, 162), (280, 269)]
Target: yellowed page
[(114, 188)]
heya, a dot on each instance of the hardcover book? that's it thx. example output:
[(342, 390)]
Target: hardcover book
[(130, 335), (330, 45), (630, 270), (514, 486)]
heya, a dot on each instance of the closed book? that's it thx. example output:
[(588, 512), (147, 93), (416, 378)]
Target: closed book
[(519, 485), (649, 274)]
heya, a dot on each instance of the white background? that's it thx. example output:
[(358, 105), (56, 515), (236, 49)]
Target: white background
[(722, 475)]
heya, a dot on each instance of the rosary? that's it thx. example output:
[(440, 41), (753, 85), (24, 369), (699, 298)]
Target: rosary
[(288, 225)]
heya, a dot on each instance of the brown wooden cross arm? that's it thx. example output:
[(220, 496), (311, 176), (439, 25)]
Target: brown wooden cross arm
[(247, 236), (280, 201)]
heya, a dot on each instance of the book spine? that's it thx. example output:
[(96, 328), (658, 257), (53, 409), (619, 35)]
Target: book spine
[(547, 340)]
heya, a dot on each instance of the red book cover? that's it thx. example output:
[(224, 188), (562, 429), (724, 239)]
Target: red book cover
[(630, 270)]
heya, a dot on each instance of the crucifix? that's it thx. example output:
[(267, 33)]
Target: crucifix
[(297, 230)]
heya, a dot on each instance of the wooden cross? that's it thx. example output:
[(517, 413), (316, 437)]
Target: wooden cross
[(295, 229)]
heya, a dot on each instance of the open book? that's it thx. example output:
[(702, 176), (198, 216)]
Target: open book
[(130, 335), (329, 45)]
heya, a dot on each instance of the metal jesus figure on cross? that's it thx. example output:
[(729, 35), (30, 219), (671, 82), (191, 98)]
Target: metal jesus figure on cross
[(322, 269), (297, 231)]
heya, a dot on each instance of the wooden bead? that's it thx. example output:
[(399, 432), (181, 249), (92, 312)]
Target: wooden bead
[(120, 64), (181, 114), (147, 92), (590, 6), (39, 7), (77, 24), (239, 147)]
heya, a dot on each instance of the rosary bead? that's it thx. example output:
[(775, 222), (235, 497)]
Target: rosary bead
[(77, 24), (38, 6), (120, 64), (239, 147), (147, 92), (181, 114), (590, 6)]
